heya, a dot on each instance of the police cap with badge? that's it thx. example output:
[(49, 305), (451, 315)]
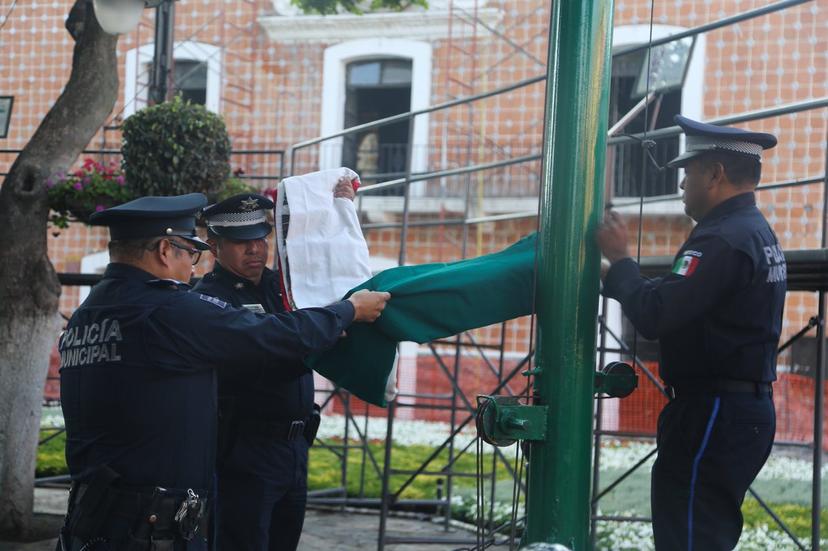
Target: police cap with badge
[(148, 217), (241, 217), (703, 138)]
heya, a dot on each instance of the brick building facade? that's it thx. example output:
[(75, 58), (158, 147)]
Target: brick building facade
[(279, 77)]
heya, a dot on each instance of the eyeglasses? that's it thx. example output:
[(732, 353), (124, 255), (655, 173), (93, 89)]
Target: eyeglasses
[(195, 253)]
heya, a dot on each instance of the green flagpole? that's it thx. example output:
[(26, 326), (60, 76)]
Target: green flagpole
[(572, 193)]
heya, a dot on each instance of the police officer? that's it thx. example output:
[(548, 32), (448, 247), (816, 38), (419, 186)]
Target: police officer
[(138, 361), (718, 317), (267, 424)]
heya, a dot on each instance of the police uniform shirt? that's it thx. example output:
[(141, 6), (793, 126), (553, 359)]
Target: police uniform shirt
[(718, 314), (137, 372), (284, 393)]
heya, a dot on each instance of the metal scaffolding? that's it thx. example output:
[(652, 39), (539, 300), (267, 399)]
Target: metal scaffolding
[(807, 270), (461, 409)]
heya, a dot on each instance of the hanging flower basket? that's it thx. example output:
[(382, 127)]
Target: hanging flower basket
[(93, 187)]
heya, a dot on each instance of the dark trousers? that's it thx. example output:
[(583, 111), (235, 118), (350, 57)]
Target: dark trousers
[(710, 449), (262, 492)]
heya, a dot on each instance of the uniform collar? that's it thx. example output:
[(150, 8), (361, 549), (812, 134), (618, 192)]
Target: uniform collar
[(733, 204), (236, 281), (118, 270)]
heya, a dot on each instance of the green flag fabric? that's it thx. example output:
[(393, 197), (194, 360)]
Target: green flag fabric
[(429, 301)]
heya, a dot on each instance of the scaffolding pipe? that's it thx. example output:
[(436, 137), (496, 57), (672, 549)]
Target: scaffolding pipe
[(574, 151)]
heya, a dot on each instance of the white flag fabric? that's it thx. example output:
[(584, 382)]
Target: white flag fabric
[(326, 253)]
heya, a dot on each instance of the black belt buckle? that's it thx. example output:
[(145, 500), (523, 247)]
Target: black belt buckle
[(297, 429)]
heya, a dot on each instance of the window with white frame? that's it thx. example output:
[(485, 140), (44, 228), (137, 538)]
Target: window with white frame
[(394, 66), (196, 75)]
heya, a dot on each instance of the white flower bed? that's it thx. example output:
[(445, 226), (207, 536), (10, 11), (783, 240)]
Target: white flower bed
[(406, 433), (638, 536)]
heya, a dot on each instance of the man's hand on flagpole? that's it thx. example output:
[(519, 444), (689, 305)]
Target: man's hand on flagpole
[(612, 238)]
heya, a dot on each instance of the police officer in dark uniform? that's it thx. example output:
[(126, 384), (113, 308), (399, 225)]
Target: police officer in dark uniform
[(718, 317), (266, 424), (138, 363)]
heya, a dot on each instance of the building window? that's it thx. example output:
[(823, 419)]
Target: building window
[(631, 173), (376, 89), (336, 88), (190, 80), (197, 69)]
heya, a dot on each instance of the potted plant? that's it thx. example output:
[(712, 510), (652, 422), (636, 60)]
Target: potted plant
[(93, 187)]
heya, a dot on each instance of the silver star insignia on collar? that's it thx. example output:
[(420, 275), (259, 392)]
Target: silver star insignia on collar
[(239, 285), (249, 204)]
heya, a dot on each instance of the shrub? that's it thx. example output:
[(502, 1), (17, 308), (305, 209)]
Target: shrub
[(174, 148)]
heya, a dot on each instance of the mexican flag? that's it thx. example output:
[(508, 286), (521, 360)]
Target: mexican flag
[(685, 265)]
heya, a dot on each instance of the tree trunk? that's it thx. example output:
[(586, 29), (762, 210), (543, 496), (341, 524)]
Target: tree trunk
[(29, 289)]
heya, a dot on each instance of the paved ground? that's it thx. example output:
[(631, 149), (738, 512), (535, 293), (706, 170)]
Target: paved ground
[(324, 530)]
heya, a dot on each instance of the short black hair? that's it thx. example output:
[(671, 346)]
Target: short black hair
[(740, 169), (131, 249)]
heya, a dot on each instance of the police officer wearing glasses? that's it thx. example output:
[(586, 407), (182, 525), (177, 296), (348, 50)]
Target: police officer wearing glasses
[(138, 362), (717, 317), (267, 424)]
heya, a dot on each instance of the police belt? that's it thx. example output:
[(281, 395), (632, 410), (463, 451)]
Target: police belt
[(718, 386), (156, 511)]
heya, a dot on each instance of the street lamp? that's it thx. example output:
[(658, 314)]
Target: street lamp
[(118, 16), (122, 16)]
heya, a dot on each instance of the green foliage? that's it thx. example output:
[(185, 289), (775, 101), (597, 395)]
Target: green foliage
[(91, 188), (324, 470), (174, 148), (234, 186), (796, 517), (51, 457), (332, 7)]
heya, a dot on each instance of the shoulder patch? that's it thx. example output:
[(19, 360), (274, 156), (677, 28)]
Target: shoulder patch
[(686, 264), (213, 300)]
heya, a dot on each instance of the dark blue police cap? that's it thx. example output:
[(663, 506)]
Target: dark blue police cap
[(154, 217), (703, 137), (242, 217)]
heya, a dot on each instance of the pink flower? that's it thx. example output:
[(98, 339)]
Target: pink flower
[(50, 183), (120, 179), (99, 208), (77, 186), (86, 180)]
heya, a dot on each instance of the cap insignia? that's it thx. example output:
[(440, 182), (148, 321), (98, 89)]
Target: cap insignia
[(249, 204)]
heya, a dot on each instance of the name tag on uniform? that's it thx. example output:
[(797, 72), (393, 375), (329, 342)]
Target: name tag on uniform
[(255, 308)]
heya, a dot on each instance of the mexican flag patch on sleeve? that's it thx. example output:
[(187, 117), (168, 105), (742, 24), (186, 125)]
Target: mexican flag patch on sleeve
[(685, 265)]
